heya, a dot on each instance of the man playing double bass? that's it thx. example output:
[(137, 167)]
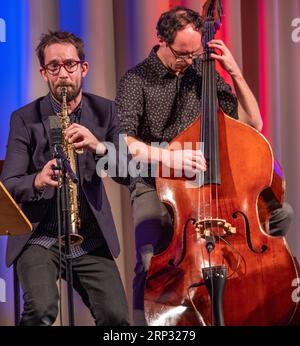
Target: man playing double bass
[(158, 99)]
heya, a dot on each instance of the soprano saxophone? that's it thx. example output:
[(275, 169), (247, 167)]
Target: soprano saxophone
[(72, 189)]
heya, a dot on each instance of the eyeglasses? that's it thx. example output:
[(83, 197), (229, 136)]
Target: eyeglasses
[(70, 66), (184, 57)]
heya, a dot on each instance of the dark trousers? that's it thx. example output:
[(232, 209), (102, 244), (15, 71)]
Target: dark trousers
[(95, 276), (153, 233)]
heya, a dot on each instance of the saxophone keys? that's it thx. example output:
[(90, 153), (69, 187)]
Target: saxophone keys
[(79, 151)]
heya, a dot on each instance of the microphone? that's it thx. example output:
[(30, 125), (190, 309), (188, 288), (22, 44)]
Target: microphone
[(56, 141), (56, 136)]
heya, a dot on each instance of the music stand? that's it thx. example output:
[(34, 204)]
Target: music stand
[(12, 222)]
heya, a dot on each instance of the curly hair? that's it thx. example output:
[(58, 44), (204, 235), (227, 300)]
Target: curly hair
[(175, 20), (59, 37)]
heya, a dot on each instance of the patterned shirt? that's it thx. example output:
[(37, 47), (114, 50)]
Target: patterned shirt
[(47, 232), (155, 105)]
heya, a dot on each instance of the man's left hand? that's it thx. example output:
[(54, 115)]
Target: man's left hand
[(225, 58)]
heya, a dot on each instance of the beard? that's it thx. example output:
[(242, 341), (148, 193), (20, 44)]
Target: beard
[(72, 91)]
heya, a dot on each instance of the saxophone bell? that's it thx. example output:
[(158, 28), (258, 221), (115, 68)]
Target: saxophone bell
[(75, 239)]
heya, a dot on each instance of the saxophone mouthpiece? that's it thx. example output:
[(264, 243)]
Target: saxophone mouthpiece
[(64, 90)]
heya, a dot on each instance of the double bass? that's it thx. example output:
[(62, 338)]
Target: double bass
[(221, 266)]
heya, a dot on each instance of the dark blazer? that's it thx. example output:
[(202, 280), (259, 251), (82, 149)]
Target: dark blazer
[(29, 150)]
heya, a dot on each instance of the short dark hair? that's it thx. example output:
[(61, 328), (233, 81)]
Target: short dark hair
[(176, 19), (59, 37)]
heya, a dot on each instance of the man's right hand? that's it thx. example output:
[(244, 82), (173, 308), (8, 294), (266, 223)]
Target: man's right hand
[(46, 176), (187, 160)]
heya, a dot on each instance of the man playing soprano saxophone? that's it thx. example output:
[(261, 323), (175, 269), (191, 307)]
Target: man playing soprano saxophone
[(29, 176)]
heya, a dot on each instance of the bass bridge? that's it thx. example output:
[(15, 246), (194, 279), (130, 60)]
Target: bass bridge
[(210, 226)]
